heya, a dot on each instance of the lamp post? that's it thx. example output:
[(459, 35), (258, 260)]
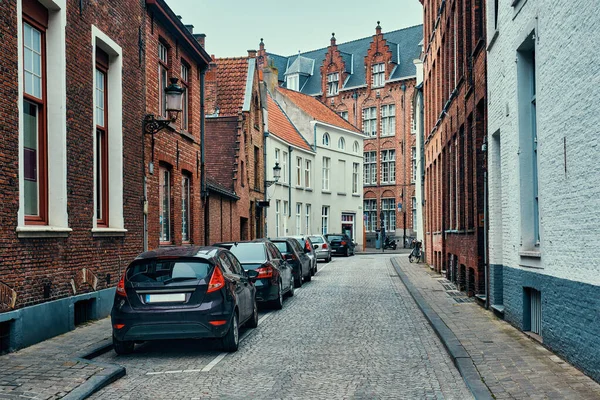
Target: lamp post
[(276, 176)]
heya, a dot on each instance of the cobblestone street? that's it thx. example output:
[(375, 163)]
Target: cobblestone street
[(353, 332)]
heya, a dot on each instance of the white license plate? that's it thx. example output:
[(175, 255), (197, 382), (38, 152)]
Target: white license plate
[(165, 298)]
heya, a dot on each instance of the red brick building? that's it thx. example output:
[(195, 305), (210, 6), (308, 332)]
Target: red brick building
[(369, 82), (173, 156), (71, 106), (235, 150), (454, 87)]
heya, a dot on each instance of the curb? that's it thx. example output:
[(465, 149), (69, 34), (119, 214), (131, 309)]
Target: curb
[(108, 375), (461, 358)]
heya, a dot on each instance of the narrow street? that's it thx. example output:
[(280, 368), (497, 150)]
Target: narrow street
[(353, 332)]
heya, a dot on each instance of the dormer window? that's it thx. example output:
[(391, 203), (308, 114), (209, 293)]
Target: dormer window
[(333, 83), (378, 75), (292, 82)]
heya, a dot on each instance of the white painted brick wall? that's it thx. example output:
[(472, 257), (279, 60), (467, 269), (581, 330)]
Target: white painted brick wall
[(568, 105)]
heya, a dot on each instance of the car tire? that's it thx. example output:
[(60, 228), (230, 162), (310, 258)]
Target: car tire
[(123, 347), (298, 282), (278, 302), (231, 340), (308, 276), (328, 259), (253, 321), (315, 268), (346, 253), (292, 290)]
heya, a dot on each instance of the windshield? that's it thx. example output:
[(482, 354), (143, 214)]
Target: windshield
[(165, 270), (282, 246), (249, 252), (334, 237), (316, 239)]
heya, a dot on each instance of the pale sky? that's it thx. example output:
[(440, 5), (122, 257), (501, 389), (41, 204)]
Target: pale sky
[(234, 26)]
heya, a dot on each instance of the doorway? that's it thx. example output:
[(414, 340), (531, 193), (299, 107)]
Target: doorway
[(348, 225)]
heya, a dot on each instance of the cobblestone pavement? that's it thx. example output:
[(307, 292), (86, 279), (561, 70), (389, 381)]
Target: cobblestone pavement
[(354, 332), (47, 370), (512, 365)]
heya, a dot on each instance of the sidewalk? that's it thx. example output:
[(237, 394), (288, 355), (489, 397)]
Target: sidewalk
[(58, 368), (509, 363)]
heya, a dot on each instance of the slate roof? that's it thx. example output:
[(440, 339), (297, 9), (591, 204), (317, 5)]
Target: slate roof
[(404, 44), (317, 110), (232, 74), (281, 126)]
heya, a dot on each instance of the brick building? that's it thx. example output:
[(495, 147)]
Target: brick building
[(172, 157), (454, 89), (370, 83), (235, 150), (71, 105)]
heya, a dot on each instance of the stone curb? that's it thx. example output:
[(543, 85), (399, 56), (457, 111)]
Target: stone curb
[(109, 374), (461, 358)]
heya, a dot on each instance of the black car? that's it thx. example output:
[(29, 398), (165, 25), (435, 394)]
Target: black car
[(340, 243), (294, 255), (183, 293), (275, 277)]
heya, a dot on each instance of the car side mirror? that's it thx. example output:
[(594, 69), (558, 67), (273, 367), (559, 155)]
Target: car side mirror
[(288, 257), (252, 275)]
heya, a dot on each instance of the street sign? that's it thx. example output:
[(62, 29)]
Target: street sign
[(399, 206)]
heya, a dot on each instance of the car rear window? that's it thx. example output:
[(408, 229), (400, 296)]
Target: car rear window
[(163, 270), (249, 252), (282, 246), (334, 237), (316, 239)]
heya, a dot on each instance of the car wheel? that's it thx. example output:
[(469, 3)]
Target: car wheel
[(346, 253), (298, 281), (123, 347), (253, 321), (312, 270), (308, 276), (278, 302), (231, 340), (292, 288), (315, 268), (328, 259)]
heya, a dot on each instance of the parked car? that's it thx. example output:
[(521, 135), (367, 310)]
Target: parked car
[(294, 255), (321, 246), (275, 276), (340, 243), (183, 293), (309, 250)]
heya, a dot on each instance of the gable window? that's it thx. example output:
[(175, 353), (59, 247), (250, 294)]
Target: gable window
[(298, 171), (388, 166), (370, 121), (342, 143), (324, 220), (185, 208), (307, 174), (326, 139), (389, 214), (163, 78), (185, 100), (292, 82), (388, 120), (344, 114), (101, 103), (165, 204), (355, 147), (326, 171), (370, 207), (333, 83), (355, 170), (378, 75), (370, 168)]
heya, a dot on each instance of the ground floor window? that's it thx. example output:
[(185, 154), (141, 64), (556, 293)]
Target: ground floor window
[(370, 209), (389, 214), (324, 220)]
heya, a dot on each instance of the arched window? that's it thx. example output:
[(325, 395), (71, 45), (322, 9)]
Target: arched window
[(355, 147), (341, 143), (326, 139)]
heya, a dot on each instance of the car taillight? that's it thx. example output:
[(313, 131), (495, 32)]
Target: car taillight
[(217, 281), (343, 243), (264, 272), (324, 246), (121, 287)]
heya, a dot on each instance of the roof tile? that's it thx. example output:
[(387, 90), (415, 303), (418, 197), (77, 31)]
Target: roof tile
[(280, 125), (231, 77)]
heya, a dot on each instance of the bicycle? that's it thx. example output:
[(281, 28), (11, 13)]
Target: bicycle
[(415, 254)]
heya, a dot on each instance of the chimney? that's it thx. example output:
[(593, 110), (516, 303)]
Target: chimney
[(333, 39), (200, 38), (261, 46), (270, 78), (378, 28), (190, 28), (251, 53)]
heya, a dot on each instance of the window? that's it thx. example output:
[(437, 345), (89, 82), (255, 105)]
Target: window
[(326, 171), (388, 120), (292, 82), (341, 174), (324, 220), (284, 168), (101, 104), (413, 117), (333, 83), (286, 213), (344, 114), (277, 154), (370, 168), (298, 171), (277, 217), (185, 208), (165, 204), (307, 173), (355, 168), (185, 100), (298, 218), (414, 164), (414, 213), (342, 143), (388, 166), (370, 121), (307, 216), (326, 139), (163, 78), (257, 180), (378, 76), (370, 207), (389, 214), (355, 147)]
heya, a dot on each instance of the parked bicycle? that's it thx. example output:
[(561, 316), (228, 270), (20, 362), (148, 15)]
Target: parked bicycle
[(415, 254)]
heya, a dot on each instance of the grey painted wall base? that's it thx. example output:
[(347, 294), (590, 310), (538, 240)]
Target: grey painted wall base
[(31, 325), (570, 322)]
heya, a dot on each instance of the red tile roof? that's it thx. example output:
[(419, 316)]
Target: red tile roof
[(280, 125), (317, 110), (231, 77)]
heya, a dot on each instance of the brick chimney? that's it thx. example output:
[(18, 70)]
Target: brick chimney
[(190, 28), (378, 28), (270, 78), (333, 39), (200, 38), (251, 53), (210, 91)]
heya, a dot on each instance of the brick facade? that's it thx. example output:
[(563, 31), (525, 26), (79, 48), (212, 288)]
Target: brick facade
[(454, 90)]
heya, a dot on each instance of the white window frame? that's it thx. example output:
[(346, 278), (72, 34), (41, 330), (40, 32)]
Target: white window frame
[(299, 171), (388, 208), (298, 218), (333, 80), (284, 167), (165, 177), (355, 173), (388, 120), (344, 114), (414, 164), (356, 147), (370, 212), (370, 121), (185, 208), (388, 166), (326, 173), (342, 143), (307, 181), (286, 213), (324, 220), (292, 82), (277, 217), (326, 139), (307, 216), (378, 75), (370, 168)]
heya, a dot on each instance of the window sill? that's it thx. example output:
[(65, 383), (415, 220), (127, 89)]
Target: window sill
[(188, 136), (308, 189), (530, 253), (108, 232), (325, 191), (42, 231), (387, 184), (341, 194), (299, 188), (355, 195), (384, 136)]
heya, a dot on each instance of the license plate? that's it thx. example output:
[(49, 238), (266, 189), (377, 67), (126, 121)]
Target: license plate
[(165, 298)]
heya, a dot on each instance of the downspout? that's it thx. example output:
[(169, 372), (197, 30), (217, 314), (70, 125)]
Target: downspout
[(290, 149), (265, 136), (203, 192), (404, 150), (315, 137), (485, 223)]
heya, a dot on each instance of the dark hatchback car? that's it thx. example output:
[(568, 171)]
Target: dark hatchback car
[(309, 250), (294, 255), (275, 277), (183, 293), (340, 243)]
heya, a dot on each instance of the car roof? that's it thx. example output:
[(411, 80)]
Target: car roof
[(205, 252)]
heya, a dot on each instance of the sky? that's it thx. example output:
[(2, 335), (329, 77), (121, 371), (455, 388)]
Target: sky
[(234, 26)]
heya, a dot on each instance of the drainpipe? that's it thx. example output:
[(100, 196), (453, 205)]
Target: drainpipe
[(485, 224), (315, 136), (203, 192), (404, 150), (290, 149), (265, 136)]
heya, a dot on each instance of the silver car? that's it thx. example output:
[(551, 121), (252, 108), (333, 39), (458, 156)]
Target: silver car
[(307, 246), (322, 247)]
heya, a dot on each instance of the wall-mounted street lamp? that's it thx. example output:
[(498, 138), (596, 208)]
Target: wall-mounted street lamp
[(173, 97), (276, 175)]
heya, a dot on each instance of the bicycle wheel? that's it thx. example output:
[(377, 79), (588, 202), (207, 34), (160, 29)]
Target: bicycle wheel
[(410, 258)]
